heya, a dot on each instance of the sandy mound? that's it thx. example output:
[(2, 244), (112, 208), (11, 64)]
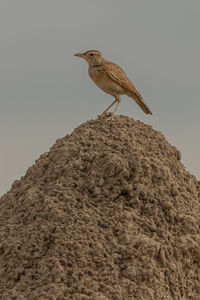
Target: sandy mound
[(108, 213)]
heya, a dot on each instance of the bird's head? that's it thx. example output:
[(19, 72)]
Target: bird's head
[(93, 57)]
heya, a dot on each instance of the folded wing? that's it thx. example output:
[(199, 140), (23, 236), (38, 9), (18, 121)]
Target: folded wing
[(117, 74)]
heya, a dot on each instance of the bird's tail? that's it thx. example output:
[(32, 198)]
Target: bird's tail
[(139, 100)]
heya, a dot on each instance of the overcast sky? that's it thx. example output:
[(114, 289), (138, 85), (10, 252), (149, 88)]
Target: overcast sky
[(46, 92)]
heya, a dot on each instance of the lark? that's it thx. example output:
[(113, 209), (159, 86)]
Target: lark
[(111, 78)]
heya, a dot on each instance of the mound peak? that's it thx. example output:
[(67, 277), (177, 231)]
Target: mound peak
[(108, 213)]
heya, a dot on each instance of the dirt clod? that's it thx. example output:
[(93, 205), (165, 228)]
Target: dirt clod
[(108, 213)]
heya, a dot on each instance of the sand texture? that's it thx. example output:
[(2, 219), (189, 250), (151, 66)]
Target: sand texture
[(108, 213)]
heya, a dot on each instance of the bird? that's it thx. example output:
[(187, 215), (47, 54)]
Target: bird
[(112, 79)]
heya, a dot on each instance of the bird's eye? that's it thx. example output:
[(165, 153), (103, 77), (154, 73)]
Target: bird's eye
[(91, 54)]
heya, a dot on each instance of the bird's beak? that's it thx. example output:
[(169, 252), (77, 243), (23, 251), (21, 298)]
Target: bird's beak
[(79, 54)]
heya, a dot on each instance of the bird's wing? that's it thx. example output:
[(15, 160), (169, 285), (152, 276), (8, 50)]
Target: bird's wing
[(117, 74)]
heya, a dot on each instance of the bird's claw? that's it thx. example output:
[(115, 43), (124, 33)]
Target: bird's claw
[(107, 116)]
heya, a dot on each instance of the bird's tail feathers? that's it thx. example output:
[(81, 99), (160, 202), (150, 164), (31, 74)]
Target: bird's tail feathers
[(138, 99)]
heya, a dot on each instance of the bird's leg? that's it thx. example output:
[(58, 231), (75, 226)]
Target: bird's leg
[(118, 100), (105, 111)]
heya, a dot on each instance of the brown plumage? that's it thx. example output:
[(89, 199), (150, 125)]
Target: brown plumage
[(111, 79)]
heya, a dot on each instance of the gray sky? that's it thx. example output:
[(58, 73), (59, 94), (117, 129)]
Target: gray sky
[(46, 92)]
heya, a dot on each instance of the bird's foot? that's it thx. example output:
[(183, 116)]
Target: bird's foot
[(101, 116), (107, 116), (110, 116)]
